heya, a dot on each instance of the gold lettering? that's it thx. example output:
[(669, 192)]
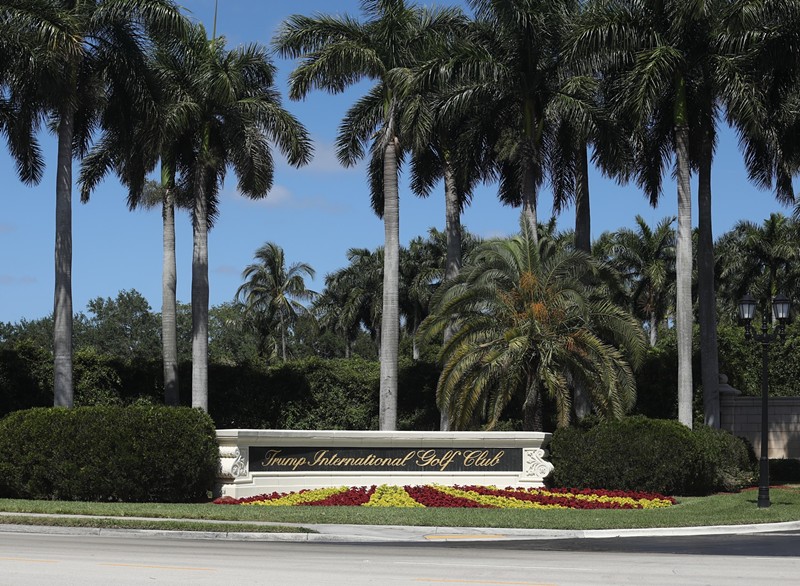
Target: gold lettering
[(480, 458), (272, 459), (428, 459)]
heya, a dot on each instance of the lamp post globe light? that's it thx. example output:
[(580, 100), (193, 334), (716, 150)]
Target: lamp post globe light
[(780, 310)]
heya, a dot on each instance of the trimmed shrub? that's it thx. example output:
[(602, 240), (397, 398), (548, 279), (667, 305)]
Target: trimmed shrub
[(142, 453), (732, 458), (635, 453)]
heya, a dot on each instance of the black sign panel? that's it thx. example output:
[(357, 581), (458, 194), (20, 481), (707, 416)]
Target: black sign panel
[(308, 459)]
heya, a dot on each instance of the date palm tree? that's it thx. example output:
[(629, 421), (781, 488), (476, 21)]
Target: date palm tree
[(79, 58), (336, 52), (275, 290), (527, 324)]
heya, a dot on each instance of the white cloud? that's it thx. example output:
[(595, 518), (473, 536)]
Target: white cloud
[(278, 196), (226, 270), (281, 197), (494, 234), (11, 280)]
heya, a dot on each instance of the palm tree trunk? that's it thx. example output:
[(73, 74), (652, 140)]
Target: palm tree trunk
[(169, 280), (583, 220), (200, 297), (709, 358), (452, 267), (529, 202), (583, 241), (683, 265), (390, 319), (532, 407), (62, 303)]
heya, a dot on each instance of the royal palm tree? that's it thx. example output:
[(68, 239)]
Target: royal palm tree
[(764, 33), (670, 73), (276, 290), (80, 58), (509, 68), (229, 112), (527, 324), (337, 52)]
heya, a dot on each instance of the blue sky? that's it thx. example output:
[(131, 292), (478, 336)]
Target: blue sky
[(315, 213)]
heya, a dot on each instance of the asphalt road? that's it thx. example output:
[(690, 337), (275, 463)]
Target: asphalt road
[(731, 560)]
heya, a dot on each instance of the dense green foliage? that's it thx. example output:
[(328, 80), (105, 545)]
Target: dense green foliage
[(784, 470), (637, 453), (134, 453)]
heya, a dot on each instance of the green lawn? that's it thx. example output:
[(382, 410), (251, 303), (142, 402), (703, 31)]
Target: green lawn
[(720, 509)]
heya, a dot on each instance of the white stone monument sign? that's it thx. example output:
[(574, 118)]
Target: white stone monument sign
[(257, 461)]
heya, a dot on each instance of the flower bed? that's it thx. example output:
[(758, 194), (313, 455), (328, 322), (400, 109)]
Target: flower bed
[(487, 497)]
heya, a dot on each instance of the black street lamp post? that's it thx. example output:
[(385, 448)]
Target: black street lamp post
[(747, 310)]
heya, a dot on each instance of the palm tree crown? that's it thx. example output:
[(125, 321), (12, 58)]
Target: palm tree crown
[(528, 324), (274, 290)]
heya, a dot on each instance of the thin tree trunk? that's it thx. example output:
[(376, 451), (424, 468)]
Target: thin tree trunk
[(390, 319), (583, 220), (283, 340), (653, 330), (62, 301), (683, 312), (709, 358), (169, 280), (414, 327), (200, 297), (452, 266)]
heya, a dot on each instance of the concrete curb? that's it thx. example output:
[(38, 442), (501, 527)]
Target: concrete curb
[(391, 533)]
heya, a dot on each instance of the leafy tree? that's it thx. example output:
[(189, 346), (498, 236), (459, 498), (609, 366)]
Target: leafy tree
[(73, 61), (123, 327), (528, 324), (336, 52), (274, 291)]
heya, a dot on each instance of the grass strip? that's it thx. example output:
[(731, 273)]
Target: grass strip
[(158, 525), (720, 509)]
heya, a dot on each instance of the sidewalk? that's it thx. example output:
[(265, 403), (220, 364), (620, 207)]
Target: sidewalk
[(391, 533)]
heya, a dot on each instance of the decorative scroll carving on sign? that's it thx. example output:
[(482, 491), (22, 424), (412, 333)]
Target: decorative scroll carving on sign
[(534, 467), (232, 463)]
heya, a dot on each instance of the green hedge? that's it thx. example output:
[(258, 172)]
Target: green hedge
[(134, 454), (637, 453), (783, 470), (317, 394)]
